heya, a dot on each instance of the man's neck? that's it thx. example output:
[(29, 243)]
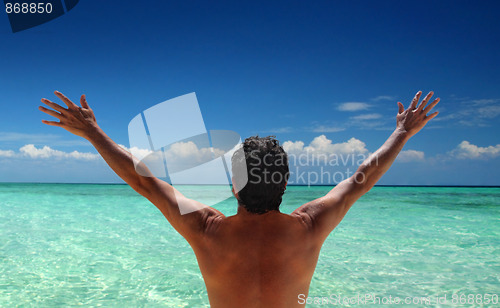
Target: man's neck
[(243, 212)]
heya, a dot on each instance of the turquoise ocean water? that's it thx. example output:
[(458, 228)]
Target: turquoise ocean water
[(104, 245)]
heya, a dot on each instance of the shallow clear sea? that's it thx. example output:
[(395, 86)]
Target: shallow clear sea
[(104, 245)]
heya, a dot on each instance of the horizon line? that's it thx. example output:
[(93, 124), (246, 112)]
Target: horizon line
[(298, 185)]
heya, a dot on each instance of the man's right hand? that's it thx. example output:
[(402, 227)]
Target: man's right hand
[(76, 120), (413, 119)]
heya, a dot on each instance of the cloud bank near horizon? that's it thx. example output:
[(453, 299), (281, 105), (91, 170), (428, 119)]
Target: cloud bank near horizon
[(320, 145)]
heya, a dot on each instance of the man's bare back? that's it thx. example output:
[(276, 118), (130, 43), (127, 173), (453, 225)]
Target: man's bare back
[(258, 257), (252, 260)]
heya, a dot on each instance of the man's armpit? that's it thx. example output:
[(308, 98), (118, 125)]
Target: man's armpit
[(211, 221), (305, 219)]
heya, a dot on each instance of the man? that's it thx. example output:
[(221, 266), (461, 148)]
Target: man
[(258, 257)]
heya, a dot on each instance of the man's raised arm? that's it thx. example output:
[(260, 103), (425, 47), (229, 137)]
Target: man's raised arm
[(325, 213), (81, 122)]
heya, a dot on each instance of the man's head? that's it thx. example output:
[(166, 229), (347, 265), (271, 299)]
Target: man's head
[(266, 173)]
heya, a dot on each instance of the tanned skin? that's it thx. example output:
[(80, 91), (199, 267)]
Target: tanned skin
[(249, 260)]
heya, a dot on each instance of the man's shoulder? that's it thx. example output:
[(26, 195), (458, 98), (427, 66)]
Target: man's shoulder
[(303, 218)]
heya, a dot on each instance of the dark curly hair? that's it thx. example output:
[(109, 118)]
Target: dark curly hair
[(266, 174)]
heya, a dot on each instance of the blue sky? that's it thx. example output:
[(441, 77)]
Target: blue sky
[(288, 68)]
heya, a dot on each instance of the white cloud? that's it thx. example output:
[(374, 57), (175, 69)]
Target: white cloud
[(8, 153), (467, 150), (410, 156), (281, 130), (326, 129), (31, 151), (190, 151), (178, 156), (368, 116), (293, 146), (138, 152), (56, 140), (474, 113), (323, 145), (383, 98), (489, 112), (353, 106), (485, 101)]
